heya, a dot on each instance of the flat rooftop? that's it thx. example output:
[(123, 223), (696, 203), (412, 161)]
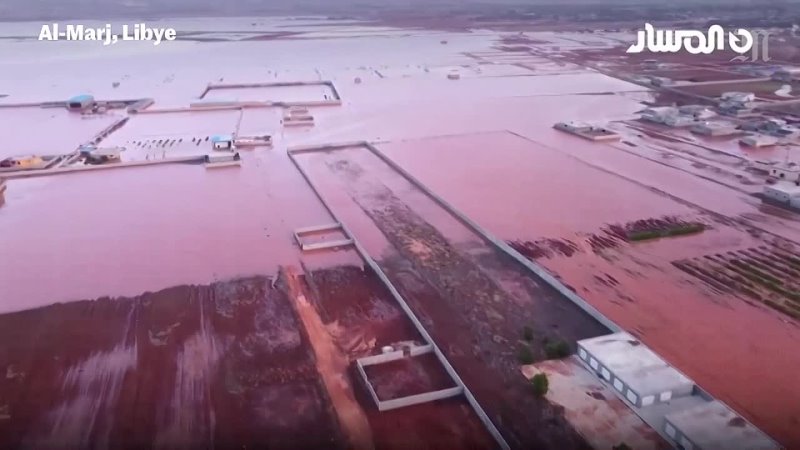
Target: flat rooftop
[(785, 187), (635, 364), (713, 426), (622, 352)]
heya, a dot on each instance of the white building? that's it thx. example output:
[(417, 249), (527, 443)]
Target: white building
[(697, 111), (714, 129), (679, 121), (788, 172), (214, 160), (759, 140), (713, 426), (738, 97), (587, 131), (782, 192), (635, 371), (222, 142), (659, 114)]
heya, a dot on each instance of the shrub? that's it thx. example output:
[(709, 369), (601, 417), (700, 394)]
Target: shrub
[(527, 333), (557, 350), (525, 355), (540, 384)]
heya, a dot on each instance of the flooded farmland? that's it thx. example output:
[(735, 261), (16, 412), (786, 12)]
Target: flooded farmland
[(165, 300)]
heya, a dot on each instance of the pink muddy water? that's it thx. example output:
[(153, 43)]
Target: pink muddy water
[(47, 131), (313, 92), (527, 191), (126, 231)]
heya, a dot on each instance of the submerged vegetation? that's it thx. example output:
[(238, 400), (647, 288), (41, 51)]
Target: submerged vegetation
[(675, 230)]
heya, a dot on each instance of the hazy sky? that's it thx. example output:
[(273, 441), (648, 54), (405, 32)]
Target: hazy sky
[(54, 9)]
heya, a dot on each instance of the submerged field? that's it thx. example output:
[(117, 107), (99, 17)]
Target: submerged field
[(170, 306)]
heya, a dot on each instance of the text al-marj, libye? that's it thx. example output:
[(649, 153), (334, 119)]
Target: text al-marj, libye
[(106, 34)]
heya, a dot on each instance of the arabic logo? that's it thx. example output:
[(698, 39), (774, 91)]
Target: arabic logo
[(695, 42)]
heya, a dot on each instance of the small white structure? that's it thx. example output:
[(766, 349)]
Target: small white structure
[(81, 102), (635, 371), (103, 155), (216, 160), (298, 116), (222, 142), (659, 114), (782, 192), (713, 426), (587, 131), (788, 172), (677, 121), (714, 129), (738, 97), (759, 140), (253, 141), (697, 111)]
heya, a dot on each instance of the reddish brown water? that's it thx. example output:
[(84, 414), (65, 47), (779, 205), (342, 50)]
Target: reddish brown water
[(123, 232), (670, 310)]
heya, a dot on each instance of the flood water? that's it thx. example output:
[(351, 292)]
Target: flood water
[(484, 142)]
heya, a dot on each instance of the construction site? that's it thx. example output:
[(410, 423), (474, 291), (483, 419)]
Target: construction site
[(385, 236)]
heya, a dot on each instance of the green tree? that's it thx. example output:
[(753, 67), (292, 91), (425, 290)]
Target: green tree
[(557, 350), (540, 384)]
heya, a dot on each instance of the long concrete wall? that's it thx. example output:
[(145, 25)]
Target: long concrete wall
[(79, 169)]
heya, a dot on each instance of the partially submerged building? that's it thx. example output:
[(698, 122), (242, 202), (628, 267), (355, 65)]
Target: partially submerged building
[(222, 142), (298, 116), (676, 116), (82, 102), (103, 155), (714, 129), (697, 111), (23, 162), (787, 171), (738, 97), (666, 399), (758, 141), (785, 193), (587, 131), (253, 141), (216, 160)]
